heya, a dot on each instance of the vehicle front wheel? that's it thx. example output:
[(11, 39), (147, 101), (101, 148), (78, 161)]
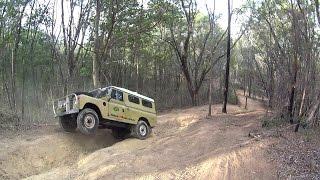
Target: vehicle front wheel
[(67, 123), (88, 121), (141, 130)]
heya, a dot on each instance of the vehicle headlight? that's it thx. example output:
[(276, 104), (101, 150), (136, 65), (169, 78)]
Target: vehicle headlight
[(74, 100), (61, 104)]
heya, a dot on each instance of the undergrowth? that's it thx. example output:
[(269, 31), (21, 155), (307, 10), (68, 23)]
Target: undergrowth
[(271, 122)]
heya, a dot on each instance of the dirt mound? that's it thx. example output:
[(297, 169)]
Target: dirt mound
[(30, 156)]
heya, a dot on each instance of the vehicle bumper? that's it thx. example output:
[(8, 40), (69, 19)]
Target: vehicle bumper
[(72, 111)]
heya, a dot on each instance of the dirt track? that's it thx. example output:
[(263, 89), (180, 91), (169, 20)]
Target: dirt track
[(184, 145)]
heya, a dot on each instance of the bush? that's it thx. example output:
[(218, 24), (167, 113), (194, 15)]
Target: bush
[(8, 119), (233, 98), (270, 122)]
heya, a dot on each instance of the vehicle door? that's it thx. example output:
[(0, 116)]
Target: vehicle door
[(116, 105), (104, 95), (133, 111)]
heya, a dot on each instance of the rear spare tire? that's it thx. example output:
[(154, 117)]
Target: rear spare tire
[(88, 121), (67, 123), (141, 130)]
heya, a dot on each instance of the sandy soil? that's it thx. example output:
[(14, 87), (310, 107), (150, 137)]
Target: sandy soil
[(185, 145)]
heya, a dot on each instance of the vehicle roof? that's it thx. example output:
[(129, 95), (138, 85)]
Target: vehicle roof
[(133, 93)]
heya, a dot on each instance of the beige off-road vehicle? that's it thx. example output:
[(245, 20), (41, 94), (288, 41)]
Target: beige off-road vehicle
[(123, 111)]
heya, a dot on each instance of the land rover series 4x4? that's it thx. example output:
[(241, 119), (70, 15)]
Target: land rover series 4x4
[(123, 111)]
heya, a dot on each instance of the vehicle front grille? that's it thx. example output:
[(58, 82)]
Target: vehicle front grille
[(71, 103), (64, 105)]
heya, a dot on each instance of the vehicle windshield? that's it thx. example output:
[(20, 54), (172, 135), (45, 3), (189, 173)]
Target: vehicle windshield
[(99, 93)]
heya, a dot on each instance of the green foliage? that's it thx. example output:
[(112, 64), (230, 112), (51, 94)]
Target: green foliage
[(308, 136), (85, 71), (232, 97)]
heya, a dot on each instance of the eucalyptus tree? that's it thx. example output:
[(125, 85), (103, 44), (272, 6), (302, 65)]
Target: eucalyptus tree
[(74, 29), (286, 44), (189, 39), (226, 83), (114, 22)]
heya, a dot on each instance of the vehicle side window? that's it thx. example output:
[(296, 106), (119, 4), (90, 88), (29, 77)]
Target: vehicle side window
[(133, 99), (146, 103), (118, 95)]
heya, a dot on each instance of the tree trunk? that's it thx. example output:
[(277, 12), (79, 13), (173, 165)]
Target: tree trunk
[(250, 86), (244, 85), (317, 10), (194, 97), (302, 100), (292, 92), (271, 88), (295, 66), (313, 110), (226, 84), (17, 37), (312, 113), (138, 76), (23, 90), (13, 77), (96, 55), (246, 103), (210, 97)]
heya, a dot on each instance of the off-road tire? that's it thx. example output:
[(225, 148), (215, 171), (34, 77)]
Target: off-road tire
[(88, 121), (141, 130), (67, 123), (120, 133)]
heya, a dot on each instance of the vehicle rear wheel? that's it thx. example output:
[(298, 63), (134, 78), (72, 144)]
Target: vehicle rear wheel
[(67, 123), (120, 133), (141, 130), (88, 121)]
